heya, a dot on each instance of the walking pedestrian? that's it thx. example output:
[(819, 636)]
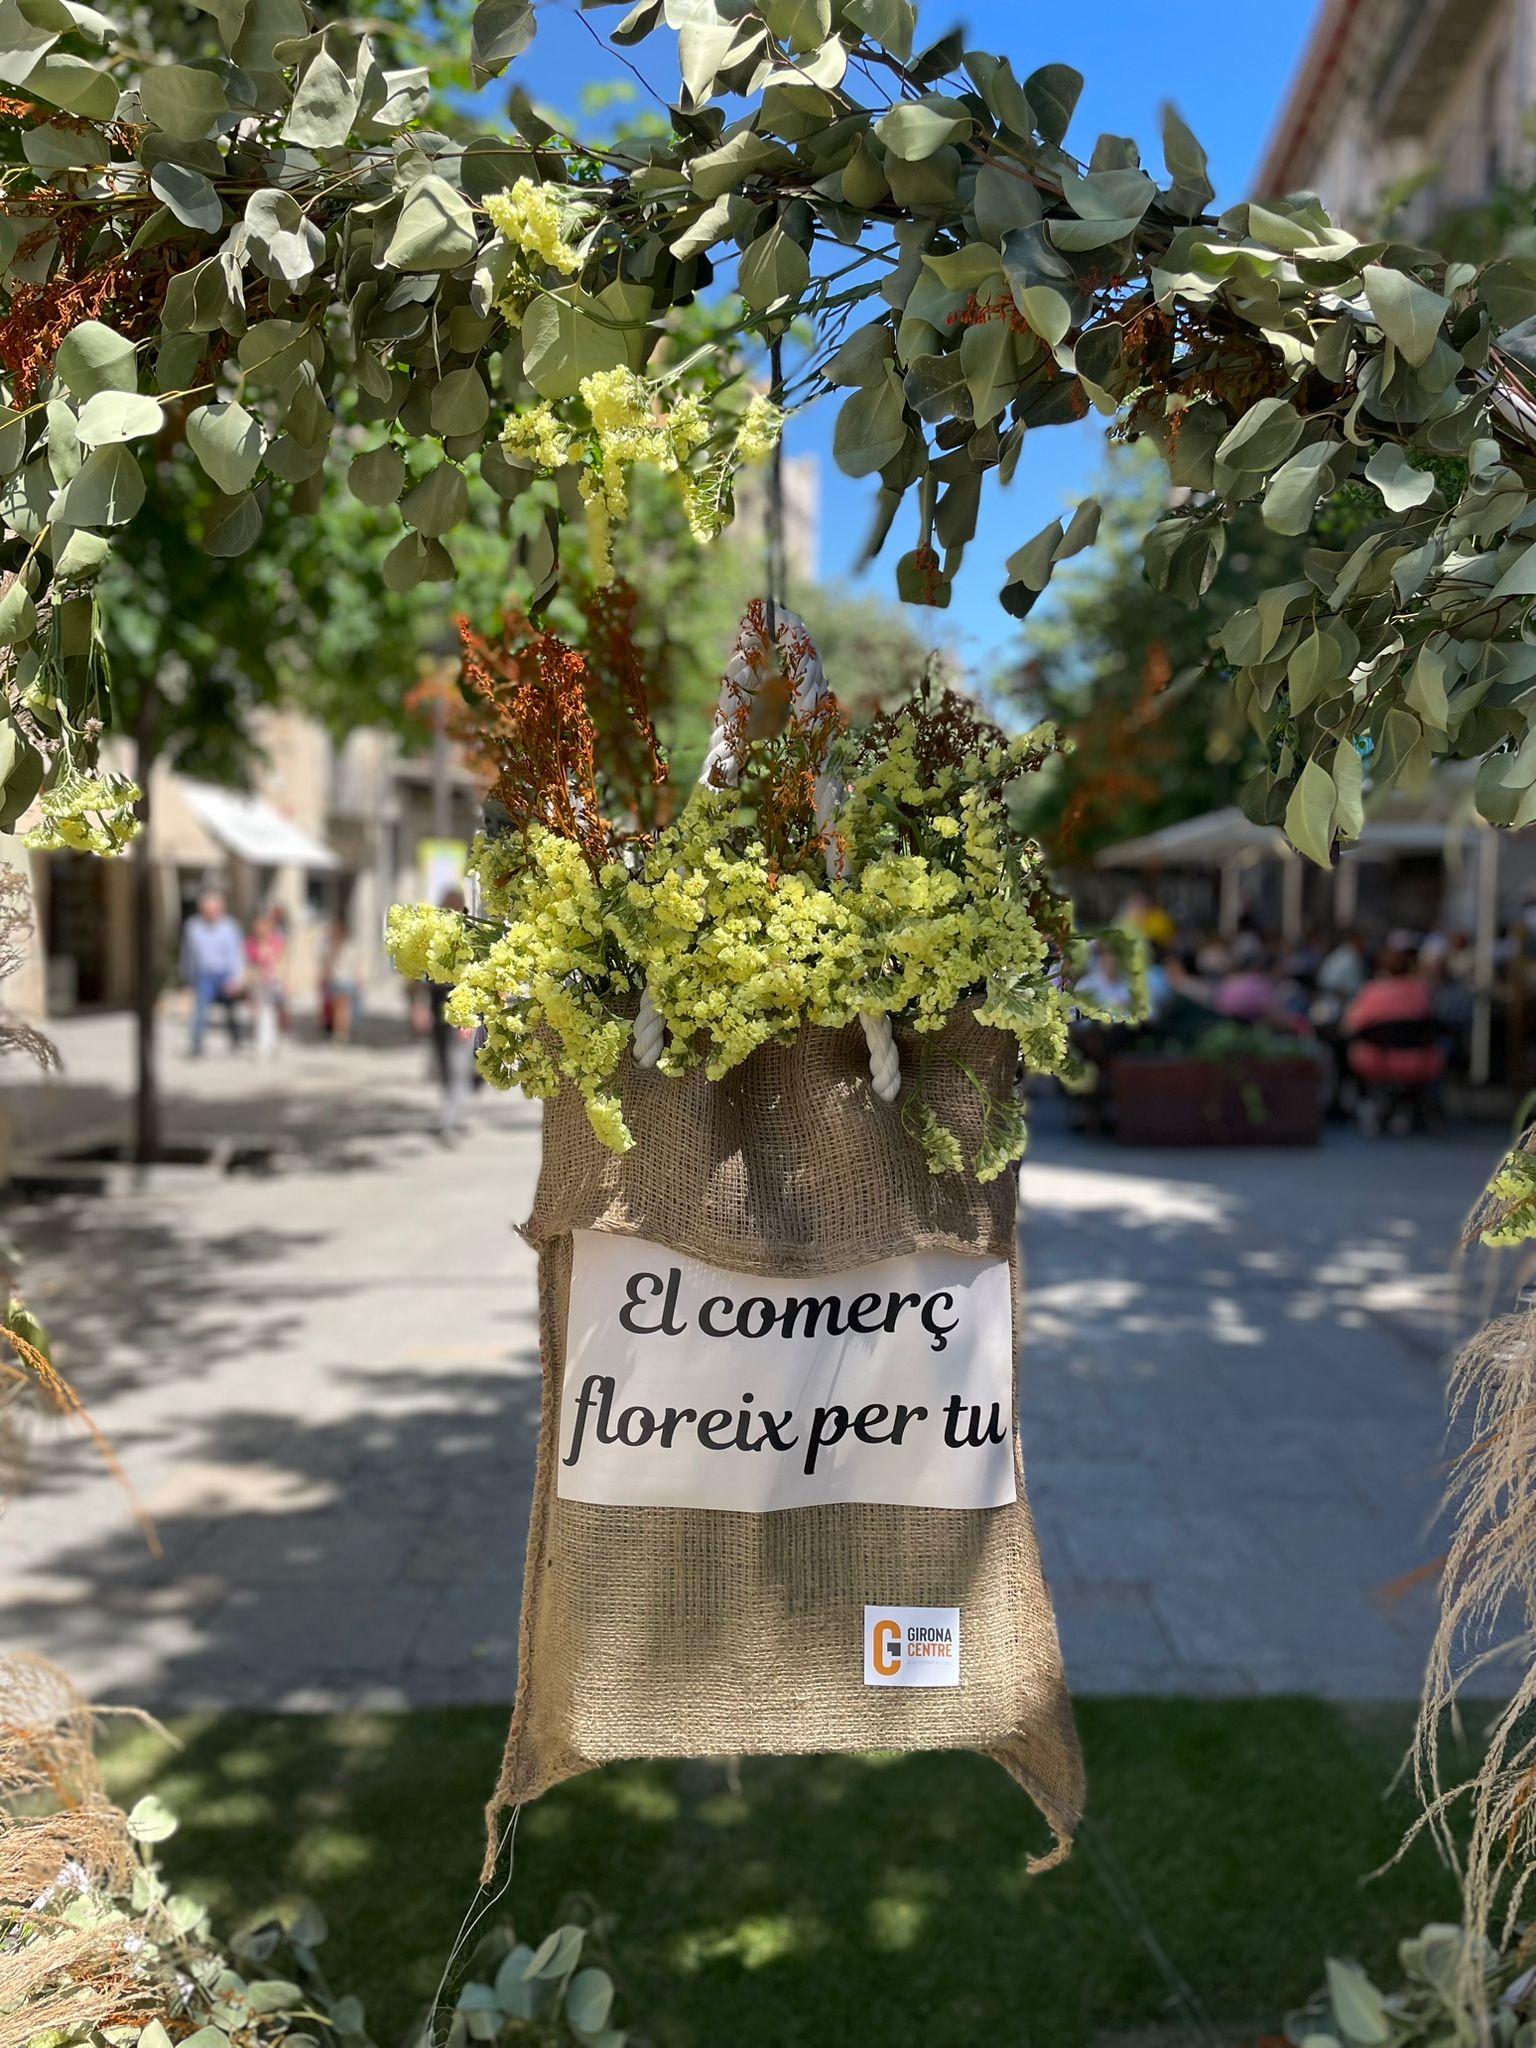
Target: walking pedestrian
[(338, 983), (213, 967), (264, 952)]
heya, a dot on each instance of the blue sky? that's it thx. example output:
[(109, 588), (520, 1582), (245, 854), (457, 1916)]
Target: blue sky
[(1225, 64)]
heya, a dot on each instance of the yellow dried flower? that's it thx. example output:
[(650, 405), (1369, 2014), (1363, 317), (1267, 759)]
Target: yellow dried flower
[(761, 426), (531, 220)]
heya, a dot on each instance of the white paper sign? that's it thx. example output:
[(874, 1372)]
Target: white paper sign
[(689, 1386)]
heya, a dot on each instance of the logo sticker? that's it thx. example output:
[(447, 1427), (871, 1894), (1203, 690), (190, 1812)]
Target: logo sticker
[(911, 1646)]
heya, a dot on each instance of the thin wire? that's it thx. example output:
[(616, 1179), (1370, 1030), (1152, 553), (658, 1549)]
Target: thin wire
[(1122, 1892), (612, 50), (474, 1914)]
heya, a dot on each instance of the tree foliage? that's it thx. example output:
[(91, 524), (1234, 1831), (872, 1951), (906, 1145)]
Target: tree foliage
[(272, 251), (1137, 678)]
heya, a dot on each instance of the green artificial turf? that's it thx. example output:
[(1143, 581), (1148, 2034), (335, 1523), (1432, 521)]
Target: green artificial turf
[(845, 1900)]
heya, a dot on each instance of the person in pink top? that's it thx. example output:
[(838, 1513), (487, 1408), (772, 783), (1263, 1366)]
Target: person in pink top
[(264, 952), (1395, 1009)]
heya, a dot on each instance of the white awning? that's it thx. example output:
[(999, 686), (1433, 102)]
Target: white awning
[(1220, 836), (1205, 841), (254, 830)]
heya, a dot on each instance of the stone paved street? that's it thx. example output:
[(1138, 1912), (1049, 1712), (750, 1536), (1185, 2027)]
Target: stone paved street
[(323, 1381)]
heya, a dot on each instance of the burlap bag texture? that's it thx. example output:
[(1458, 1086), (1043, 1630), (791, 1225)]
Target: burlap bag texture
[(660, 1632)]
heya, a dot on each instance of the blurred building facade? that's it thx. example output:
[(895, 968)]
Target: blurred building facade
[(1425, 101), (330, 828)]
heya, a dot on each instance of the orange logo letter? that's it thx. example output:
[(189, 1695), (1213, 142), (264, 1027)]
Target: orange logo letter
[(886, 1654)]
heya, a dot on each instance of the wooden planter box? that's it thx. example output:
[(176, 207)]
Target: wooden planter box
[(1168, 1099)]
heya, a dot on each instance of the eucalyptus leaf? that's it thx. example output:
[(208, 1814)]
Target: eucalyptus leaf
[(82, 557), (1031, 564), (1401, 485), (106, 490), (871, 427), (437, 504), (436, 228), (1053, 91), (93, 357), (556, 1955), (1348, 785), (460, 403), (1263, 437), (566, 339), (774, 269), (233, 526), (118, 416), (183, 99), (416, 559), (500, 30), (589, 2000), (1309, 819), (189, 195), (18, 614), (1407, 312), (1357, 2004), (324, 106), (150, 1820), (914, 129), (228, 441), (1291, 499), (937, 387)]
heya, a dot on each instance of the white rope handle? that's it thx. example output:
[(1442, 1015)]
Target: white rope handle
[(744, 675)]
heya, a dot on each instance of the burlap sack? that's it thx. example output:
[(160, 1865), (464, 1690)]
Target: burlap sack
[(649, 1631)]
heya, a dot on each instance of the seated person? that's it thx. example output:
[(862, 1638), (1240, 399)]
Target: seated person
[(1390, 1026)]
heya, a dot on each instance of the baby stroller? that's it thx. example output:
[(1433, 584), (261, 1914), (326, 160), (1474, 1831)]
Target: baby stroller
[(1397, 1066)]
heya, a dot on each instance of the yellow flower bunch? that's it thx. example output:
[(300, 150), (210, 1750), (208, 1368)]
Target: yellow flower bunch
[(87, 814), (733, 954), (1511, 1197), (534, 222), (540, 436), (627, 424), (935, 903), (762, 423)]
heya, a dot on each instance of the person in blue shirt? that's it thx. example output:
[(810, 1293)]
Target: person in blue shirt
[(213, 966)]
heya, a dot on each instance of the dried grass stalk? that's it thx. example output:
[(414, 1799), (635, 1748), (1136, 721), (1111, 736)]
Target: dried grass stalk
[(59, 1837), (1489, 1580)]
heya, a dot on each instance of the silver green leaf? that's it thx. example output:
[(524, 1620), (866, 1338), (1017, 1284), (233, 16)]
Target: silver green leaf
[(106, 490), (499, 31), (325, 105), (460, 403), (182, 99), (233, 527), (438, 502), (189, 195), (436, 228), (914, 129), (94, 357), (1408, 313), (118, 416), (227, 440)]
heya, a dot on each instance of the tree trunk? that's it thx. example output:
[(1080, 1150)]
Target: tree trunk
[(146, 952)]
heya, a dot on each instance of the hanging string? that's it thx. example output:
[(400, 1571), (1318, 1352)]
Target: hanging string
[(777, 578), (469, 1926)]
